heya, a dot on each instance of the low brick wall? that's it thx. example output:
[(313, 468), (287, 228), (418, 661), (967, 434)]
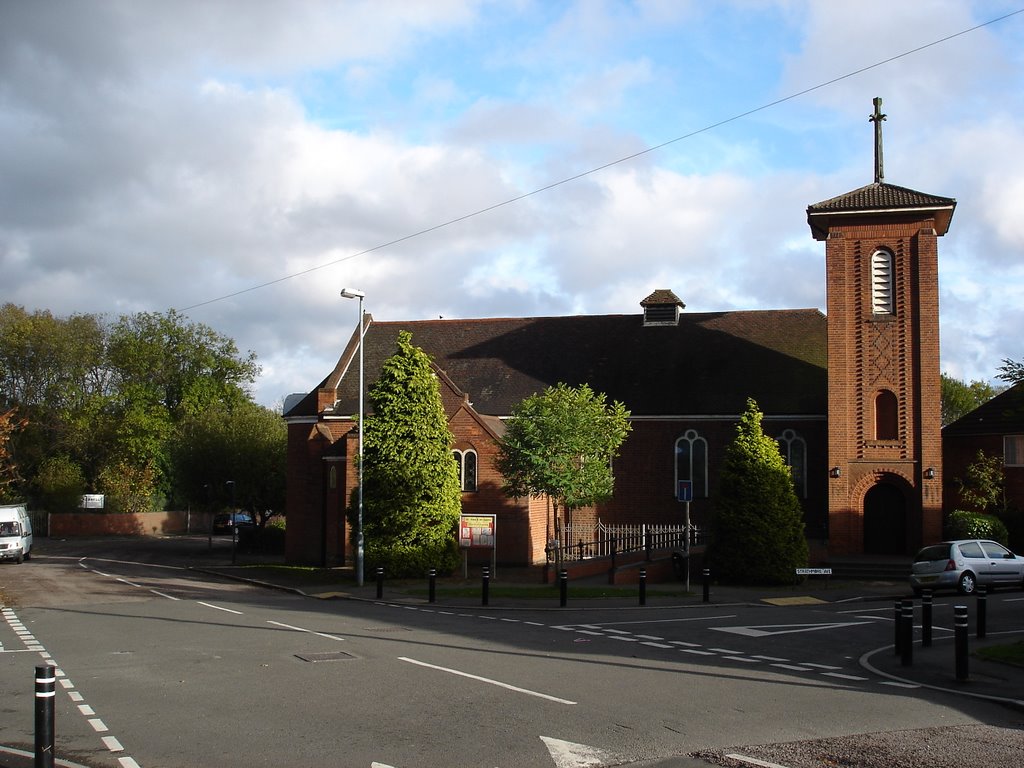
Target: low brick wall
[(72, 524)]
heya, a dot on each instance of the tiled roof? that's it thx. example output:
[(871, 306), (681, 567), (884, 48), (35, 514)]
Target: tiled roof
[(881, 196), (707, 364), (660, 297), (1002, 415), (879, 199)]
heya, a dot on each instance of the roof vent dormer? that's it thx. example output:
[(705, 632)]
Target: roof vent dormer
[(662, 308)]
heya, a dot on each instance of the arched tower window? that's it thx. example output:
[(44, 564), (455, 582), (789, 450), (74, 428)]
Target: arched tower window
[(886, 416), (881, 283), (692, 463), (794, 452)]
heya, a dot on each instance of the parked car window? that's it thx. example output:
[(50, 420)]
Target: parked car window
[(934, 552), (996, 551), (972, 549)]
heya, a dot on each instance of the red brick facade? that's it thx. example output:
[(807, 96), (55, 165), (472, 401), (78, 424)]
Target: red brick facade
[(870, 354)]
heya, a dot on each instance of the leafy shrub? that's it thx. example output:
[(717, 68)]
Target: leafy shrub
[(975, 525), (61, 484), (406, 561)]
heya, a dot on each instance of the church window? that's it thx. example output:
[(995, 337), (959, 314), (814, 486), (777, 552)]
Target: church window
[(886, 416), (692, 463), (1013, 450), (881, 283), (794, 452), (466, 463)]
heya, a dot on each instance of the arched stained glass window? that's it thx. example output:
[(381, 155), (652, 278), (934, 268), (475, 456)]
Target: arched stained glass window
[(794, 452), (692, 463)]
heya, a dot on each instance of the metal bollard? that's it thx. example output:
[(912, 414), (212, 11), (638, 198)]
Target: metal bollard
[(46, 690), (432, 587), (907, 646), (926, 618), (982, 605), (960, 641), (563, 587), (643, 586), (380, 582), (706, 577), (897, 635), (485, 586)]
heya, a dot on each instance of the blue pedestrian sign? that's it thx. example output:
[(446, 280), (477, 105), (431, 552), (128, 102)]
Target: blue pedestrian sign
[(685, 490)]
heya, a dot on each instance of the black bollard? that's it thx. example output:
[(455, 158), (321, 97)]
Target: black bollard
[(46, 691), (380, 582), (926, 618), (706, 577), (432, 588), (960, 625), (563, 587), (982, 604), (643, 586), (485, 586), (907, 644), (897, 633)]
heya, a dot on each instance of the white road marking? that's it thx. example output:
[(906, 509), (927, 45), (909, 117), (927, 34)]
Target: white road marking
[(843, 677), (764, 630), (489, 681), (219, 608), (746, 659), (754, 761), (129, 583), (127, 762), (696, 652), (655, 645), (164, 594), (310, 631), (85, 709), (567, 754), (98, 725), (793, 667), (112, 744)]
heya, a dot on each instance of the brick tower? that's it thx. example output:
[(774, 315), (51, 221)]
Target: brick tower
[(884, 404)]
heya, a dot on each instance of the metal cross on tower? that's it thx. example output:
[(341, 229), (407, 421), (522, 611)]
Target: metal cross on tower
[(877, 119)]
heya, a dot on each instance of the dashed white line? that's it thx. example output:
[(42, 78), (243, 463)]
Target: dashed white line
[(98, 725), (310, 631), (489, 681), (112, 744), (220, 608)]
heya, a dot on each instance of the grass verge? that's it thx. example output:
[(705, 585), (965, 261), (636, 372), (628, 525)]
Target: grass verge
[(1011, 653)]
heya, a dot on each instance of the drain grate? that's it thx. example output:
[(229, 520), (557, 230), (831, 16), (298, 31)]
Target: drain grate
[(332, 656), (386, 629)]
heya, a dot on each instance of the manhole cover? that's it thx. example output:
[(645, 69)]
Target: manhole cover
[(332, 656)]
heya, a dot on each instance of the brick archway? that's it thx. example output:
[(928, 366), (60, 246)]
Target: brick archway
[(885, 519)]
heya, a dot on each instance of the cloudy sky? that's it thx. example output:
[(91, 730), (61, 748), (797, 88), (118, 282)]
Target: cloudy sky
[(244, 161)]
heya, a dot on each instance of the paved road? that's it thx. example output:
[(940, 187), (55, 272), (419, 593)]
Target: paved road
[(163, 666)]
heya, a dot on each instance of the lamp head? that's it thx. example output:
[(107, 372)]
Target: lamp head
[(352, 293)]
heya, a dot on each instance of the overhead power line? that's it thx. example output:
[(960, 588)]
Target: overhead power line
[(605, 166)]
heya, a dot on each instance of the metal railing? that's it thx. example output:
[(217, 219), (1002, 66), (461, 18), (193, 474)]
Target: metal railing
[(583, 542)]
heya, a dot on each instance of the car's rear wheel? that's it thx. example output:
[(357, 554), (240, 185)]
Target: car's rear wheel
[(967, 583)]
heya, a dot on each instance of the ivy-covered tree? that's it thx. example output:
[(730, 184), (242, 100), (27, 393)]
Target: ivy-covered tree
[(561, 444), (411, 495), (757, 529), (10, 423)]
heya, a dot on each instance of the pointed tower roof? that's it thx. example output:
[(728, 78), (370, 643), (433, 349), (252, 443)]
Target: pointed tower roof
[(878, 198)]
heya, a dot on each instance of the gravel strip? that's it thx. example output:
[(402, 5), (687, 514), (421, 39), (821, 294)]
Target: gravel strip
[(945, 747)]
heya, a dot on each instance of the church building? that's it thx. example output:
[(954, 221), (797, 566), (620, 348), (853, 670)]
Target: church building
[(852, 397)]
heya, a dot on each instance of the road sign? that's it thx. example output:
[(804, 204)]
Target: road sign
[(685, 492)]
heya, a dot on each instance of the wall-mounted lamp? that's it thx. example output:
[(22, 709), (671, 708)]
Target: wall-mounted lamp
[(929, 474), (835, 472)]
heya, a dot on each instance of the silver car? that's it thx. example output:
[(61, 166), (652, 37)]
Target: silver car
[(964, 564)]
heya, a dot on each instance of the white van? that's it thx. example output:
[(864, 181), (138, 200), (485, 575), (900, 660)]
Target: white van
[(15, 533)]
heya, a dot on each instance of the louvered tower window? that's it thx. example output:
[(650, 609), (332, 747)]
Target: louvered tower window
[(881, 283)]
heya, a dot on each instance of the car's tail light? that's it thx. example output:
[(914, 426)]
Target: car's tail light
[(951, 565)]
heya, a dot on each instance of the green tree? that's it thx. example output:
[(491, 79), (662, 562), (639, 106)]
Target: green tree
[(561, 444), (1011, 371), (246, 444), (960, 398), (411, 495), (61, 484), (983, 486), (757, 530)]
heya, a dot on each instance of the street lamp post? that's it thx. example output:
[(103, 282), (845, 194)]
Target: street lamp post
[(352, 293)]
